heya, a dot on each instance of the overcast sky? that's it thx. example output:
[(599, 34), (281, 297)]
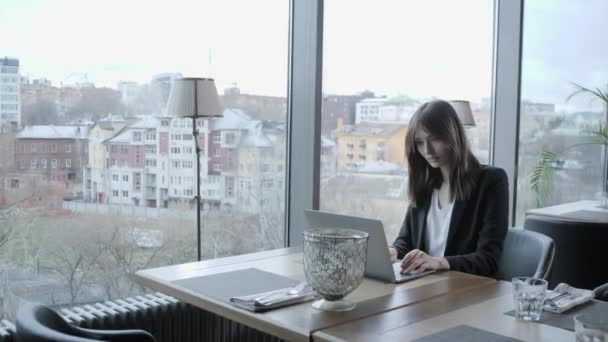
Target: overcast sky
[(424, 48)]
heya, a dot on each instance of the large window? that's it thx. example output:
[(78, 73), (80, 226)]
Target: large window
[(77, 234), (554, 58), (381, 61)]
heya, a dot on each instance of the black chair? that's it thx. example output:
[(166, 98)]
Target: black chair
[(601, 292), (580, 257), (38, 323), (525, 254)]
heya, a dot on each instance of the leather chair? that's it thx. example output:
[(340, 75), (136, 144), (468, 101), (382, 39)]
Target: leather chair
[(38, 323), (580, 257), (525, 254), (601, 292)]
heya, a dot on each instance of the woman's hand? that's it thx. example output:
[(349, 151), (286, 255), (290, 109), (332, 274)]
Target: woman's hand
[(417, 261), (393, 253)]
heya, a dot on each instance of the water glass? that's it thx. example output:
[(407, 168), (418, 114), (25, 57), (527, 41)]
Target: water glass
[(603, 197), (529, 295), (590, 328)]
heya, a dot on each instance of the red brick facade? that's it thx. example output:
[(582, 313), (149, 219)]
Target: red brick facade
[(61, 159)]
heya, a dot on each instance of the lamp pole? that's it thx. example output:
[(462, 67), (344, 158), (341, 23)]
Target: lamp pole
[(197, 149)]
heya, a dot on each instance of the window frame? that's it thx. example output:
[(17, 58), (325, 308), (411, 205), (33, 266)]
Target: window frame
[(304, 98), (506, 88)]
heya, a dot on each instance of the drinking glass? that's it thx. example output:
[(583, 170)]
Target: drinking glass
[(529, 295), (590, 328), (603, 197)]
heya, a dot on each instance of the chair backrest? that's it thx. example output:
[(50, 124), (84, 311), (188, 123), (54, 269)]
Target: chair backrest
[(39, 323), (525, 254)]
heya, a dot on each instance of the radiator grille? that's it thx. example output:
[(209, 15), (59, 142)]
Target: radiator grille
[(168, 319)]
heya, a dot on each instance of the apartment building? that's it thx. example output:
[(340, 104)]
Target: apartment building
[(58, 151), (367, 142), (10, 90), (385, 110), (95, 182)]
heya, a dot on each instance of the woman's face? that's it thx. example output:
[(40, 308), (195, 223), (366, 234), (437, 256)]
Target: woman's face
[(434, 150)]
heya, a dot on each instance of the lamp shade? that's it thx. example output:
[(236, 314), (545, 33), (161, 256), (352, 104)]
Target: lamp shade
[(463, 109), (194, 97)]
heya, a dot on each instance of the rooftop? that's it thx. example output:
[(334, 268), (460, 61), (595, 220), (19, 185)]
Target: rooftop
[(9, 61), (53, 132), (371, 129)]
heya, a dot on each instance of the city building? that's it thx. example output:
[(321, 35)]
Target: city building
[(259, 107), (369, 142), (160, 88), (137, 165), (10, 98), (385, 110), (7, 151), (328, 158), (42, 102), (128, 92), (95, 182), (152, 162), (247, 157), (181, 163), (340, 107), (57, 151)]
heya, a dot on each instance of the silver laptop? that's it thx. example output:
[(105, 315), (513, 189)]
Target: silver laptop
[(378, 264)]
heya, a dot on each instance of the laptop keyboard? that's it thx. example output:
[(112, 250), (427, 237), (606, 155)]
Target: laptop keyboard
[(406, 276), (397, 271)]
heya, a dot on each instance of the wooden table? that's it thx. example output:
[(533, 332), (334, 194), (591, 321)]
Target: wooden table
[(301, 322), (482, 308), (583, 211)]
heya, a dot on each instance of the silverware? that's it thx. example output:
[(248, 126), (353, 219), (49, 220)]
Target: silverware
[(554, 301), (292, 291), (297, 289)]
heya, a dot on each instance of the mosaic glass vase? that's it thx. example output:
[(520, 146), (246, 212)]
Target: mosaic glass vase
[(334, 264)]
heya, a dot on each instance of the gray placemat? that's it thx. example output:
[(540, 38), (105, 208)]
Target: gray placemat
[(465, 333), (566, 320), (589, 215), (224, 286)]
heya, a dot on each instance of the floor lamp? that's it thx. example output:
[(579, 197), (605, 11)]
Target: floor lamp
[(195, 98), (464, 112)]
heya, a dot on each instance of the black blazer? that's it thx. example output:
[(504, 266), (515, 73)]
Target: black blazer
[(478, 226)]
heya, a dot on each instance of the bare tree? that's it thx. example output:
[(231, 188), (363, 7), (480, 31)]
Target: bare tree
[(270, 219), (15, 229), (7, 231), (77, 266), (122, 259)]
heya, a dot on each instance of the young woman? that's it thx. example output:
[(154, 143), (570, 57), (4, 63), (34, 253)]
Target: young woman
[(457, 218)]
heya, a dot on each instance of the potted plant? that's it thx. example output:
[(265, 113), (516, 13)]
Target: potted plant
[(541, 179)]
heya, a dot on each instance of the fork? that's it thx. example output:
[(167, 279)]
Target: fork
[(554, 301), (292, 292), (297, 289)]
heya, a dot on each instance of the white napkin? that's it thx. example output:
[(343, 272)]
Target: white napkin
[(569, 297), (273, 299)]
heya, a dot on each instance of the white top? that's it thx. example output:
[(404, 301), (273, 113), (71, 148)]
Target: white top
[(437, 226)]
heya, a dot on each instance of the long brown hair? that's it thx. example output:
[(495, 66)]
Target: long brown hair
[(439, 119)]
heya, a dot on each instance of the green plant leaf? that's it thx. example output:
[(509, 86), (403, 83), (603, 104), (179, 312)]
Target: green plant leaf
[(600, 136), (601, 94), (541, 178)]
